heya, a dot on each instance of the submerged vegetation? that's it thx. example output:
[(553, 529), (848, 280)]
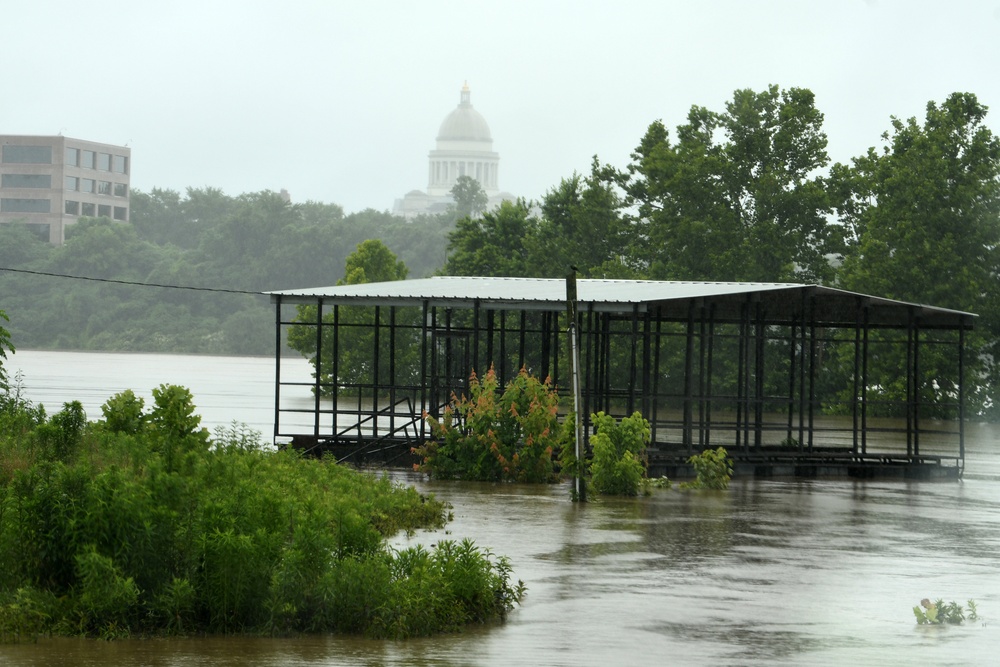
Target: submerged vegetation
[(513, 436), (144, 523), (713, 469), (618, 466), (939, 612)]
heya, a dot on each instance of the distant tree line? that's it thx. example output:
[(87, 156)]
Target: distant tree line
[(204, 238)]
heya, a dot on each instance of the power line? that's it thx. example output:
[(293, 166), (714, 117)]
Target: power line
[(133, 283)]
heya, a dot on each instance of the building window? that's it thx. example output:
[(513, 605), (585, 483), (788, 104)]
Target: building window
[(104, 187), (104, 162), (86, 185), (88, 159), (121, 190), (72, 158), (27, 154), (72, 207), (104, 210), (26, 181), (121, 213), (120, 164), (87, 209), (25, 205), (71, 183)]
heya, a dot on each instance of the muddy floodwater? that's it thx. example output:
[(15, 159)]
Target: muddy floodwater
[(768, 573)]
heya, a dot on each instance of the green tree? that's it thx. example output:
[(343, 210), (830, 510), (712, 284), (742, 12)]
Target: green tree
[(923, 221), (470, 198), (582, 225), (497, 244), (101, 248), (371, 262), (737, 196), (20, 247)]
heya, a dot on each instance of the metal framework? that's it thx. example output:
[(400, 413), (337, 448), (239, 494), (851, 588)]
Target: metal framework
[(790, 378)]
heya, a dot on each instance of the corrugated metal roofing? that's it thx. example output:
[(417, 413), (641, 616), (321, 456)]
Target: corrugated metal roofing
[(521, 291)]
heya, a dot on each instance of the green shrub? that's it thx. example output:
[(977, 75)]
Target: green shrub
[(514, 436), (106, 599), (237, 436), (123, 412), (618, 466), (938, 612), (154, 528), (175, 426), (26, 614), (713, 468), (176, 604), (60, 437)]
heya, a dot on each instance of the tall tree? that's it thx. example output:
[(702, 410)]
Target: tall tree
[(926, 210), (924, 219), (495, 245), (737, 196), (470, 198), (357, 345), (582, 225)]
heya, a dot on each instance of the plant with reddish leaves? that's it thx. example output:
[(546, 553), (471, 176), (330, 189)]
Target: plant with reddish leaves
[(511, 436)]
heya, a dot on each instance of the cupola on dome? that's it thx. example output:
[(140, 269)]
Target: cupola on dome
[(464, 123)]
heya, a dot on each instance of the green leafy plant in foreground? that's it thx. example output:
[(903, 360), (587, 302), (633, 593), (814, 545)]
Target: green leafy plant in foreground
[(490, 436), (143, 524), (713, 468), (939, 612), (618, 464)]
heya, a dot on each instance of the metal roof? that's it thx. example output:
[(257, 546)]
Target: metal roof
[(612, 296)]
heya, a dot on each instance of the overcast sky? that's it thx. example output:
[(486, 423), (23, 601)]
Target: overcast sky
[(340, 102)]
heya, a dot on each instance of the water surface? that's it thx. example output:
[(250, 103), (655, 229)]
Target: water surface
[(768, 573)]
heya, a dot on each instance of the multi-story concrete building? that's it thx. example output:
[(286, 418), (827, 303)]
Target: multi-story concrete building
[(50, 181)]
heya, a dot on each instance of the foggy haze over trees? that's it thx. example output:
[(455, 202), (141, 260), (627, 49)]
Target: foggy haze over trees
[(742, 193)]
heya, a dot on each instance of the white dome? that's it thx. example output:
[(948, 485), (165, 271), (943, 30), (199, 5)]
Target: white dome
[(465, 123)]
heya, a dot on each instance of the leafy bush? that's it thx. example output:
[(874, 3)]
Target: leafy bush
[(123, 412), (713, 468), (106, 599), (175, 426), (61, 437), (618, 466), (937, 612), (496, 437), (147, 526)]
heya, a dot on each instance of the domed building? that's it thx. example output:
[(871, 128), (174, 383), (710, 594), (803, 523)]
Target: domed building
[(464, 148)]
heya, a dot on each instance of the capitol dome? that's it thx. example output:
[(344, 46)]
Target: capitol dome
[(465, 123), (464, 148)]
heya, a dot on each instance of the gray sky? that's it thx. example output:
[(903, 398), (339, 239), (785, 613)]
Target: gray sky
[(341, 101)]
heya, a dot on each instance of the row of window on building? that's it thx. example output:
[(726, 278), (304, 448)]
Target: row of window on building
[(74, 157), (14, 205), (102, 210), (72, 184)]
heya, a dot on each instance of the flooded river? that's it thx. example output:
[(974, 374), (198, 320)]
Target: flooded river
[(767, 573)]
